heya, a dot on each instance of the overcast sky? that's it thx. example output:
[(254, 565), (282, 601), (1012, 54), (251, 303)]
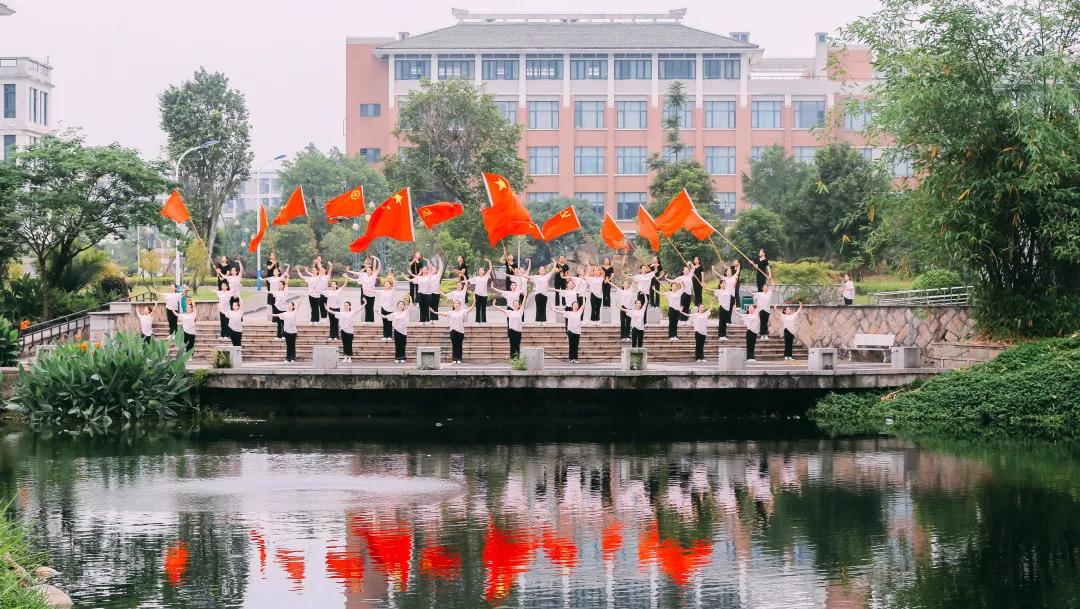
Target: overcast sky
[(112, 58)]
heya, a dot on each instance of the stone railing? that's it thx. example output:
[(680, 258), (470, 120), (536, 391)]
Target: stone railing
[(960, 354), (836, 326)]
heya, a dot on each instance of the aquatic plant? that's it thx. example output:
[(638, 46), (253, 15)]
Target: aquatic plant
[(9, 343), (17, 557)]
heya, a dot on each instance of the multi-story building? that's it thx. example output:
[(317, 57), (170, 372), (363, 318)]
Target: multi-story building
[(589, 92), (263, 186), (26, 91)]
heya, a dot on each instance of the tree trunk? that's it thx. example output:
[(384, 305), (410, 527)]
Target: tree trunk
[(44, 289)]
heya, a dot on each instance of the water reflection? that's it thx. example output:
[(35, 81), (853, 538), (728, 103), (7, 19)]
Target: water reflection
[(221, 518)]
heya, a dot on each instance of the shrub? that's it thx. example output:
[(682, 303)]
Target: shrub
[(936, 279), (122, 380), (115, 284), (9, 343), (813, 281), (15, 549)]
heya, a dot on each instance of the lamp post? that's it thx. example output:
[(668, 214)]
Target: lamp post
[(176, 178), (258, 248), (356, 257)]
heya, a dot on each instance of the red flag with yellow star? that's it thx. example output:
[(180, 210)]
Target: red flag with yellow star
[(295, 207), (437, 213), (566, 221), (506, 216), (392, 219), (349, 204)]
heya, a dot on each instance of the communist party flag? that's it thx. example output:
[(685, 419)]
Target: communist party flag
[(175, 209), (698, 226), (392, 219), (440, 212), (175, 563), (349, 204), (257, 239), (506, 216), (566, 221), (647, 228), (613, 235), (672, 219), (293, 208)]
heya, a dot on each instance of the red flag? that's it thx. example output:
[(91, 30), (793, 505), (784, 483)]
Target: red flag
[(293, 208), (697, 226), (647, 228), (566, 221), (613, 235), (392, 219), (175, 209), (440, 212), (349, 204), (257, 239), (506, 216), (671, 220)]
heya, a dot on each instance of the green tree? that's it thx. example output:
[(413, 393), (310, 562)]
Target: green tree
[(196, 251), (293, 243), (775, 181), (585, 240), (758, 228), (324, 176), (982, 97), (233, 233), (200, 110), (334, 244), (450, 132), (64, 197)]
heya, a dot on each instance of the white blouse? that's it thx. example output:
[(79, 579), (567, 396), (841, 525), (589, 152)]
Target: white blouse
[(763, 300), (236, 320), (187, 320), (673, 297), (480, 285), (172, 301), (700, 321), (400, 321), (223, 298), (573, 320), (288, 321), (146, 324), (515, 319), (596, 286), (347, 320), (643, 281), (637, 318), (457, 320)]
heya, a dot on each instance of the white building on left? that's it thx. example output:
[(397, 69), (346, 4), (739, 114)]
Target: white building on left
[(26, 100)]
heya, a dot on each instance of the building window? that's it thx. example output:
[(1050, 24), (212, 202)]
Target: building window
[(765, 115), (457, 67), (588, 67), (631, 114), (44, 108), (540, 197), (686, 118), (370, 109), (588, 115), (264, 186), (371, 155), (719, 115), (589, 160), (809, 114), (856, 119), (677, 66), (9, 101), (543, 115), (630, 160), (627, 204), (543, 67), (633, 66), (543, 160), (804, 154), (756, 152), (720, 160), (9, 146), (412, 67), (867, 154), (724, 66), (500, 67), (508, 109), (594, 199), (901, 166), (724, 205), (33, 105)]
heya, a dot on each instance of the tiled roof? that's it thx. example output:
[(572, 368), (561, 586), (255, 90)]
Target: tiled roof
[(566, 36)]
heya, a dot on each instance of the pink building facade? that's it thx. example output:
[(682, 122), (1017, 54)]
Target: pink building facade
[(588, 91)]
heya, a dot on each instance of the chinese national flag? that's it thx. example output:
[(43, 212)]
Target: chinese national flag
[(437, 213), (506, 216), (257, 239), (294, 208), (647, 228), (175, 209), (392, 219), (697, 226), (566, 221), (672, 219), (348, 204), (613, 235)]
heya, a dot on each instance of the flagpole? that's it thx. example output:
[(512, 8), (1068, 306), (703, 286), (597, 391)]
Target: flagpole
[(724, 237), (176, 179)]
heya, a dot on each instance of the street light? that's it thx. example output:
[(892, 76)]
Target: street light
[(258, 248), (176, 178)]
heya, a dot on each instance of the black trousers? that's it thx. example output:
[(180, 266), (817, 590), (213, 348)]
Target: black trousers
[(369, 308), (637, 338), (313, 304), (596, 302), (573, 340), (387, 326), (171, 316), (322, 308), (433, 302), (697, 293), (481, 309), (624, 325), (764, 317), (412, 291), (699, 346), (424, 300), (541, 307), (399, 345), (334, 324), (346, 343), (280, 323), (684, 302), (848, 301), (789, 342), (270, 300), (673, 318), (237, 337), (760, 281), (751, 342), (607, 294), (290, 347), (457, 340), (654, 293), (725, 319), (515, 342), (224, 321), (189, 341)]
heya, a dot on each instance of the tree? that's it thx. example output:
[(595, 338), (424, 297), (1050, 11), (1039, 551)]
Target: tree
[(200, 110), (758, 228), (334, 245), (149, 263), (63, 197), (233, 234), (293, 243), (982, 97), (586, 240), (451, 132), (775, 180), (196, 250), (324, 176)]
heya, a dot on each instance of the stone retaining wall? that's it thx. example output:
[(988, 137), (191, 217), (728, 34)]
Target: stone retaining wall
[(836, 326), (960, 354)]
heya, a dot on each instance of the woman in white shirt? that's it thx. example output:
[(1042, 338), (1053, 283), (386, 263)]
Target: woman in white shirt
[(699, 319), (480, 291), (643, 282), (224, 303), (233, 277), (334, 297), (725, 295), (686, 281), (763, 302), (581, 286), (624, 297), (278, 299), (790, 322), (322, 282), (368, 279), (457, 317), (314, 295), (277, 280), (596, 282), (172, 306), (515, 322), (637, 322), (385, 302), (435, 275), (542, 283), (288, 322), (673, 297), (236, 323), (849, 290), (459, 294), (423, 296), (753, 324), (346, 317), (573, 317), (146, 323), (187, 322), (400, 321)]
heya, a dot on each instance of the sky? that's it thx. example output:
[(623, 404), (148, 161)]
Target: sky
[(112, 58)]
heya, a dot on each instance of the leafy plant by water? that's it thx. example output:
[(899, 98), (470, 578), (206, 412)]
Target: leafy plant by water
[(121, 380), (9, 343), (16, 550)]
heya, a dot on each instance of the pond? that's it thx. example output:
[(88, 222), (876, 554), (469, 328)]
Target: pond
[(369, 513)]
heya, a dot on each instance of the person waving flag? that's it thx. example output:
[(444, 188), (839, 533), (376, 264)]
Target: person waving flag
[(392, 219)]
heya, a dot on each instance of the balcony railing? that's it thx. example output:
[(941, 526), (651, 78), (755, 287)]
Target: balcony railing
[(955, 296)]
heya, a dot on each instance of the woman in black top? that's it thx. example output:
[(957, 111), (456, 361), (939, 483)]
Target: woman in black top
[(558, 280), (699, 279), (510, 270), (271, 264), (414, 270), (654, 293), (462, 269), (763, 273), (609, 274)]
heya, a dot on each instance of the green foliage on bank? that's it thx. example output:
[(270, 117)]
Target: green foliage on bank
[(1030, 390), (119, 381), (15, 548), (935, 279), (9, 343)]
